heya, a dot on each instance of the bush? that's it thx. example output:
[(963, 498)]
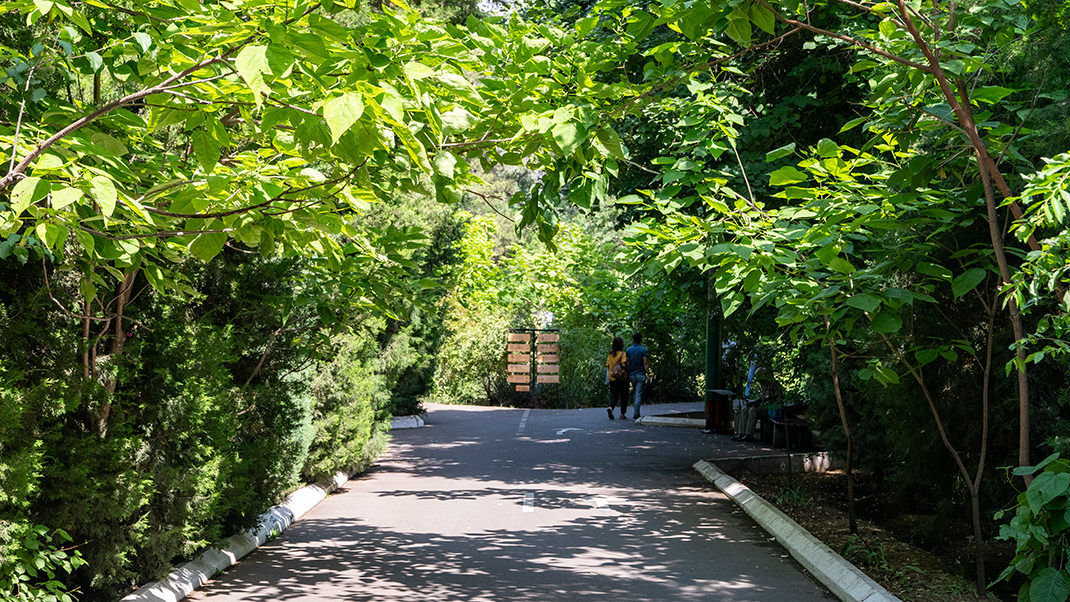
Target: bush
[(1041, 533)]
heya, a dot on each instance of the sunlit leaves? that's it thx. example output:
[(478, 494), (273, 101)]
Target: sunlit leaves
[(27, 192), (342, 112), (252, 64)]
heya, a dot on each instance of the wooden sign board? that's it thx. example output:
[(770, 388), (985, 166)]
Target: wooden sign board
[(518, 358), (552, 337), (523, 388), (518, 347), (549, 378), (519, 337), (546, 348), (526, 369), (548, 368), (548, 359), (519, 378)]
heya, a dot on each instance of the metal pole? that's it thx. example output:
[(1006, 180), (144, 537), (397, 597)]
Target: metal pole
[(532, 395), (714, 370)]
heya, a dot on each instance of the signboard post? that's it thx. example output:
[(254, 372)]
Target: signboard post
[(533, 358)]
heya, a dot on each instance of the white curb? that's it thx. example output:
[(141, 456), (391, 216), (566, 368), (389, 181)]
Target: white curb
[(406, 422), (841, 577), (193, 574), (672, 421)]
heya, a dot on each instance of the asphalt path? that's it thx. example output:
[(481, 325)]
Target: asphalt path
[(495, 504)]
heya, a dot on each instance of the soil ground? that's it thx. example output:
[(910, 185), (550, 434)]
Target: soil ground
[(816, 502)]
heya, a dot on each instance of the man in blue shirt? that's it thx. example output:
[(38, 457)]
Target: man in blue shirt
[(638, 368)]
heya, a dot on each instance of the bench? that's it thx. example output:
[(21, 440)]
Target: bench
[(787, 430)]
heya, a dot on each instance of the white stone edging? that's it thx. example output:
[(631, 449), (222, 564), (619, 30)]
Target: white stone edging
[(187, 577), (406, 422), (841, 577), (672, 421)]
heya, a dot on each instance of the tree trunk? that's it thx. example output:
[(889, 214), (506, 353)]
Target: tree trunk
[(118, 343), (989, 172), (851, 516)]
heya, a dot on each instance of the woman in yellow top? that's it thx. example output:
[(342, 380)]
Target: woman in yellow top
[(617, 369)]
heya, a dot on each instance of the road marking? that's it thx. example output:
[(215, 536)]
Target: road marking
[(529, 502), (565, 430), (523, 423)]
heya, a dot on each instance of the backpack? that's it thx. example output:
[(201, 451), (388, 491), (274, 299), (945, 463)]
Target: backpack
[(618, 371)]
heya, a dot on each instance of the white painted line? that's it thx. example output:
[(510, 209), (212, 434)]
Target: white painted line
[(523, 423), (565, 430), (529, 502)]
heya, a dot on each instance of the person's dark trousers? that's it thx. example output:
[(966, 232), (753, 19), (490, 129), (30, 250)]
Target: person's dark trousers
[(618, 392)]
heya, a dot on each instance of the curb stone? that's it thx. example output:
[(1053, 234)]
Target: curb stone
[(671, 421), (842, 578), (406, 422), (187, 577)]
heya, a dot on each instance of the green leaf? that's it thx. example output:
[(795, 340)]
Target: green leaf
[(932, 269), (207, 245), (783, 151), (885, 375), (841, 265), (418, 70), (763, 18), (852, 124), (739, 27), (27, 192), (887, 322), (342, 112), (731, 302), (1049, 585), (827, 148), (786, 175), (54, 234), (252, 64), (609, 139), (955, 67), (65, 196), (568, 137), (108, 144), (205, 148), (95, 61), (79, 19), (926, 356), (991, 94), (445, 164), (586, 25), (1045, 488), (864, 301), (103, 191), (967, 281), (143, 41)]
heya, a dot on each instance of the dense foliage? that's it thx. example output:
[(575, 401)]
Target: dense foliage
[(220, 214), (585, 290)]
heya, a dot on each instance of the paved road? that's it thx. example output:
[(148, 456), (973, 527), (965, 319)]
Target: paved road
[(527, 506)]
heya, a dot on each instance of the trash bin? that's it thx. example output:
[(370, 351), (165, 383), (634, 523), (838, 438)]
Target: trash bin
[(719, 410)]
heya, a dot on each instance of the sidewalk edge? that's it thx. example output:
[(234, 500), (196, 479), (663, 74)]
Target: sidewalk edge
[(842, 578), (187, 577)]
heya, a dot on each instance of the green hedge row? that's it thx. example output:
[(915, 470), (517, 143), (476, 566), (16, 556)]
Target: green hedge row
[(218, 407)]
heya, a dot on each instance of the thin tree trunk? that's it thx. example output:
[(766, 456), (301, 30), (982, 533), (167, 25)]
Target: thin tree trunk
[(989, 171), (86, 308), (851, 515), (975, 490), (973, 484), (118, 343)]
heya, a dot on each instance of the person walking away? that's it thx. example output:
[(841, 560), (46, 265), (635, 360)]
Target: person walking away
[(638, 369), (617, 372)]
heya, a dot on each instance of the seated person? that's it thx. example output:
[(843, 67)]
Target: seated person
[(753, 411)]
